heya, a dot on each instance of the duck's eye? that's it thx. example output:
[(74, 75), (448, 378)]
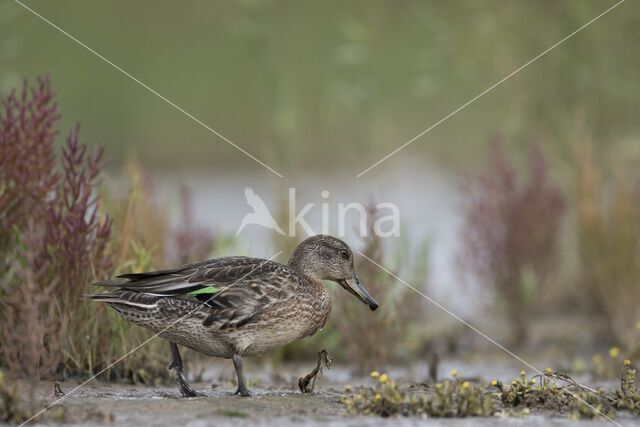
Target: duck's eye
[(344, 253)]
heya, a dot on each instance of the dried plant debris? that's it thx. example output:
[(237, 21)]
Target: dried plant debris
[(57, 391), (548, 394), (308, 382)]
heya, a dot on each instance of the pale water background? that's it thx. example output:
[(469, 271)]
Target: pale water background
[(428, 199)]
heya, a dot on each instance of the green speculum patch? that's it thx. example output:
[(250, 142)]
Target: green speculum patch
[(207, 290)]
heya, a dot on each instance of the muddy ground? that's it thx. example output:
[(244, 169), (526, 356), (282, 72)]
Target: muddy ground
[(276, 401), (133, 406)]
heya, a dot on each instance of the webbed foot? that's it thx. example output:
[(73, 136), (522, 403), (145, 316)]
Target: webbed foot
[(183, 386), (176, 364), (244, 392)]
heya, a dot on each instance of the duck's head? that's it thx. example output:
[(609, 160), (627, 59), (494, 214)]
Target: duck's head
[(325, 257)]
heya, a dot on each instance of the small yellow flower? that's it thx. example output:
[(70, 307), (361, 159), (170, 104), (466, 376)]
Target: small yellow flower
[(378, 396), (523, 373), (348, 388), (375, 374), (494, 382), (533, 381), (465, 384), (638, 325), (438, 386), (383, 378), (514, 382), (627, 362), (454, 373), (614, 352), (359, 397), (548, 371)]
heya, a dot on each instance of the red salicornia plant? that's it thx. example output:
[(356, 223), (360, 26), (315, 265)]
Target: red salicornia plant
[(27, 158), (53, 238), (510, 233), (73, 224)]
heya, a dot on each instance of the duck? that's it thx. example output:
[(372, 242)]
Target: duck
[(237, 306)]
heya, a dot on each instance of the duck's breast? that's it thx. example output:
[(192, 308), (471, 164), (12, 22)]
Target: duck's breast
[(297, 318)]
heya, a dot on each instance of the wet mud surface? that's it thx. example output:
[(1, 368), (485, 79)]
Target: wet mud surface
[(277, 401)]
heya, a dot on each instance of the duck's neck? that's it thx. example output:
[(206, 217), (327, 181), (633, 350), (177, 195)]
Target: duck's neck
[(318, 293), (302, 264)]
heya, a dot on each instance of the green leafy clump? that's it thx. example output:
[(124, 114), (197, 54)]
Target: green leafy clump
[(451, 398), (384, 399), (531, 393), (627, 396), (547, 394), (459, 398), (555, 392)]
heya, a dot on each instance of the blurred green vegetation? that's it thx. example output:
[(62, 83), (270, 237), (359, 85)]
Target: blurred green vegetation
[(314, 85)]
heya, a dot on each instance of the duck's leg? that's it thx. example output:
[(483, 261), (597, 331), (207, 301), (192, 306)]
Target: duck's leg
[(176, 363), (242, 390)]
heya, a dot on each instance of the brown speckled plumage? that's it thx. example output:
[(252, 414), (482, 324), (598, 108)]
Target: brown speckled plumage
[(258, 305)]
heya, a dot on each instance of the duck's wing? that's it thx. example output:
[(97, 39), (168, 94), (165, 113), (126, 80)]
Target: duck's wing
[(237, 290)]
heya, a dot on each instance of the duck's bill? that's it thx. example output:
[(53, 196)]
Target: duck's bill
[(353, 285)]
